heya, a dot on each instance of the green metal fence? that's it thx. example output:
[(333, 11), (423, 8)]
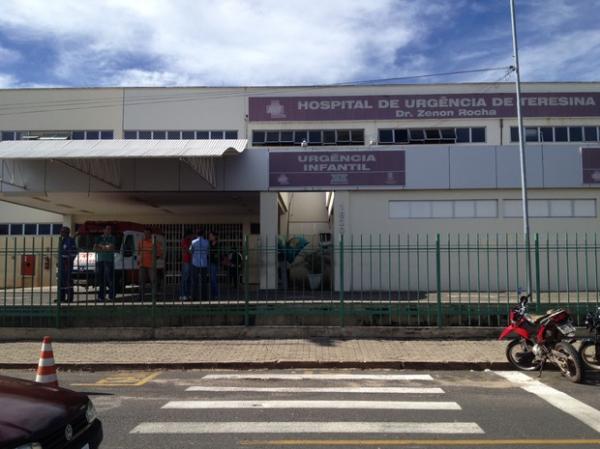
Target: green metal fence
[(366, 280)]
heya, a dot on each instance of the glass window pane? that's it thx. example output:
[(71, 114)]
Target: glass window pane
[(514, 134), (107, 135), (546, 134), (538, 208), (8, 135), (560, 134), (258, 137), (329, 137), (299, 136), (231, 134), (216, 134), (145, 134), (486, 208), (477, 134), (357, 136), (159, 135), (464, 209), (44, 229), (432, 134), (314, 137), (188, 135), (30, 229), (591, 133), (343, 135), (448, 133), (401, 135), (202, 135), (287, 136), (16, 229), (92, 135), (56, 227), (575, 134), (399, 209), (560, 208), (4, 229), (416, 134), (584, 208), (272, 137), (531, 135), (386, 136), (441, 209), (173, 135), (78, 135), (130, 134), (462, 135), (420, 209)]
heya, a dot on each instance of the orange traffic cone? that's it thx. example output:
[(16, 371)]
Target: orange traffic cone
[(46, 371)]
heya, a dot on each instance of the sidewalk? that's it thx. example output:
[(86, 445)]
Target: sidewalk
[(261, 353)]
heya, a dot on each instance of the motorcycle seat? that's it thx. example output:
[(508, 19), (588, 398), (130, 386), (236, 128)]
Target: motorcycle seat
[(533, 318)]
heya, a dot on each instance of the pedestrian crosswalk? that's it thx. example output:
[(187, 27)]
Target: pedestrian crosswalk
[(222, 402)]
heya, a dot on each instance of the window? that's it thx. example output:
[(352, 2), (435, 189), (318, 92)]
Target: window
[(231, 134), (92, 135), (188, 135), (144, 134), (9, 135), (16, 229), (444, 209), (545, 134), (462, 135), (314, 137), (202, 135), (160, 135), (107, 135), (386, 136), (4, 229), (173, 135), (552, 208), (130, 134), (477, 135), (31, 229), (431, 136), (216, 134), (78, 135), (44, 229)]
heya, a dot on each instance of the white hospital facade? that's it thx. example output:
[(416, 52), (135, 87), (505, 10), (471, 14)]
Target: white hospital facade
[(352, 160)]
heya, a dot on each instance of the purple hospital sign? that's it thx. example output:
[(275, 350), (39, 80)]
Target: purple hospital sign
[(590, 159), (336, 170), (398, 107)]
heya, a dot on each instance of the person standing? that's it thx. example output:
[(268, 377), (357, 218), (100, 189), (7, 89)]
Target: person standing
[(148, 251), (105, 263), (67, 251), (186, 267), (214, 258), (199, 249)]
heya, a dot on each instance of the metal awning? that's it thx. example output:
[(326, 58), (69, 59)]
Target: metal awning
[(99, 158)]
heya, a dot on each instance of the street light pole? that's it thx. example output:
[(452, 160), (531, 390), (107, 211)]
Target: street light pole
[(521, 147)]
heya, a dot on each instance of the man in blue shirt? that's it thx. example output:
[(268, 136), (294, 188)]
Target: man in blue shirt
[(199, 249), (67, 251)]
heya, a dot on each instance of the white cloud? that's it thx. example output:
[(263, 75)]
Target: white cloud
[(7, 81), (231, 42)]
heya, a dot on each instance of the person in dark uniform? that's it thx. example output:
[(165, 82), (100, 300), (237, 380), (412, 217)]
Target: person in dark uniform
[(67, 251)]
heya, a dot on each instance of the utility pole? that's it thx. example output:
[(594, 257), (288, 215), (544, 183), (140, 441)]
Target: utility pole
[(521, 148)]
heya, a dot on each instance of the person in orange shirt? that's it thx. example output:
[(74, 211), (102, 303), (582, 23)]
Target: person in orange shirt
[(148, 251)]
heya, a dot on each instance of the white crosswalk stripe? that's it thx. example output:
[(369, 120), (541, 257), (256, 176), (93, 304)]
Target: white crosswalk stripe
[(346, 383), (365, 405)]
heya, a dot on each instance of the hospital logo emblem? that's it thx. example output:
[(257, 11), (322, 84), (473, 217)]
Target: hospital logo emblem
[(596, 176), (283, 179), (275, 109)]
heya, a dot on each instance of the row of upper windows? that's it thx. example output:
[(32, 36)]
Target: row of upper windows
[(30, 229), (411, 136), (67, 135), (312, 137), (177, 134), (545, 134)]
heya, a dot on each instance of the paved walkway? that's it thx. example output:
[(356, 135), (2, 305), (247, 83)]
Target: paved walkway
[(288, 353)]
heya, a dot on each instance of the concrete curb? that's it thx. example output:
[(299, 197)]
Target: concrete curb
[(247, 332), (276, 364)]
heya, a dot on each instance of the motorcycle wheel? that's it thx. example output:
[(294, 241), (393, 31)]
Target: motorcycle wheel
[(573, 370), (519, 353), (589, 358)]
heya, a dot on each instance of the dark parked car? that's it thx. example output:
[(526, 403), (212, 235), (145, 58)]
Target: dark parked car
[(34, 416)]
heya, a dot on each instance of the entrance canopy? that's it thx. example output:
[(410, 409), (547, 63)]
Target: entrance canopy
[(100, 158)]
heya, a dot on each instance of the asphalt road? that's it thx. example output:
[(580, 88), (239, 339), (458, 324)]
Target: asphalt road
[(339, 408)]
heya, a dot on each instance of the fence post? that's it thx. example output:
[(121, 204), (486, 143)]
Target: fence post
[(438, 279), (537, 274), (245, 261), (153, 284), (342, 286)]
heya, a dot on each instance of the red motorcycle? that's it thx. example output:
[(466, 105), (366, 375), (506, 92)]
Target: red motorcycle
[(542, 338)]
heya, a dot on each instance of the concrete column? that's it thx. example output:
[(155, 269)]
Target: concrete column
[(269, 223), (341, 226)]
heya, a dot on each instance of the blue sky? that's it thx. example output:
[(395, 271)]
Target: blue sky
[(275, 42)]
